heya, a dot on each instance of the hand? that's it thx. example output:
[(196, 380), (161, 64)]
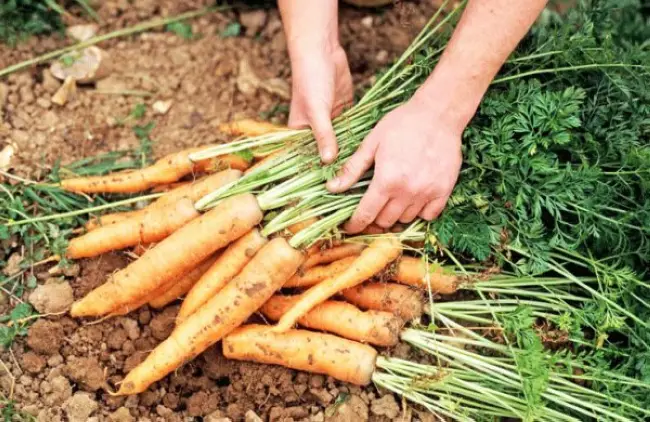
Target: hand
[(417, 161), (321, 88)]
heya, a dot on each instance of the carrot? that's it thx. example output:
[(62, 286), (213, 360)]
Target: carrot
[(413, 271), (344, 319), (345, 360), (140, 249), (295, 228), (151, 226), (224, 312), (397, 299), (112, 218), (225, 162), (192, 190), (319, 273), (372, 260), (182, 286), (249, 127), (173, 256), (327, 256), (167, 188), (168, 169), (229, 264)]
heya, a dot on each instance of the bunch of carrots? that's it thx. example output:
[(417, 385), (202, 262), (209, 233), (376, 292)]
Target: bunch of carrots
[(227, 270)]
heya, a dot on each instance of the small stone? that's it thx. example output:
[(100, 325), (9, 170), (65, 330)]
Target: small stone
[(247, 82), (131, 327), (162, 107), (52, 298), (253, 21), (4, 93), (71, 270), (86, 372), (33, 363), (82, 32), (43, 103), (385, 406), (121, 415), (6, 155), (55, 360), (55, 392), (79, 407), (382, 57), (13, 264), (50, 83), (367, 21), (318, 417), (351, 410), (217, 416), (65, 92), (251, 416)]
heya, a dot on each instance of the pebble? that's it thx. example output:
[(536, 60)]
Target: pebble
[(52, 298), (44, 103), (367, 21), (50, 83), (162, 107), (79, 407), (4, 92), (251, 416)]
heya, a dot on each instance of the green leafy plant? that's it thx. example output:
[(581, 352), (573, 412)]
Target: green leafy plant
[(182, 29), (233, 29)]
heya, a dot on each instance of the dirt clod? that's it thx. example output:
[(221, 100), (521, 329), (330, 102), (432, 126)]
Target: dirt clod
[(33, 363), (56, 391), (86, 372), (353, 409), (385, 406), (79, 407), (121, 415), (251, 416), (52, 298), (253, 21), (163, 323), (45, 337)]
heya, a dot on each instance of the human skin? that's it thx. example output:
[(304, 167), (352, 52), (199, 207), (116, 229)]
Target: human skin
[(416, 148)]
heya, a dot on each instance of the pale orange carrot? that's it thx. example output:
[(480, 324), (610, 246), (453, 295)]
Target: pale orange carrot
[(225, 162), (403, 301), (168, 169), (380, 253), (173, 256), (316, 274), (295, 228), (413, 271), (192, 190), (112, 218), (152, 226), (224, 312), (249, 127), (229, 264), (139, 250), (343, 359), (167, 188), (182, 286), (329, 255), (344, 319)]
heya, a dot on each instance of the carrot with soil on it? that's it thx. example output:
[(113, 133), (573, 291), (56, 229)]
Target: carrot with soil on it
[(229, 308), (224, 269), (413, 271), (346, 320), (329, 255), (151, 226), (397, 299), (173, 256), (373, 259), (192, 190), (303, 350), (249, 128), (319, 273), (139, 250), (226, 162), (181, 287)]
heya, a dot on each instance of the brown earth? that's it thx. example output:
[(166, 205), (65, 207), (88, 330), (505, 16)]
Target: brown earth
[(65, 368)]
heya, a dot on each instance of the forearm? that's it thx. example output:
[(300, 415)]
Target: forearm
[(309, 24), (486, 35)]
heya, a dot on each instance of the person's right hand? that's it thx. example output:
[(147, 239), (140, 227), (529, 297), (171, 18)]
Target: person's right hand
[(321, 88)]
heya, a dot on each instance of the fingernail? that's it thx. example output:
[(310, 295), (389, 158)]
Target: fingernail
[(334, 183), (327, 155)]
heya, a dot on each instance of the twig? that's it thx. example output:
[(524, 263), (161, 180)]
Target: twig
[(126, 92), (17, 178), (115, 34), (13, 379)]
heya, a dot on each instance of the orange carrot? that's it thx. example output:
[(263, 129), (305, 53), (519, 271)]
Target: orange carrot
[(413, 271), (249, 127), (168, 169), (112, 218), (372, 260), (319, 273), (173, 256), (225, 162), (344, 319), (167, 188), (329, 255), (192, 190), (224, 312), (182, 286), (397, 299), (345, 360), (151, 226), (229, 264), (140, 249), (295, 228)]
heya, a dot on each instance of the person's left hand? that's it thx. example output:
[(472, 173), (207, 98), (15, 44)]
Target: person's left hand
[(417, 160)]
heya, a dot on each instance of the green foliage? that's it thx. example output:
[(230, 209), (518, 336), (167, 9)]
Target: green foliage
[(182, 29), (233, 29), (144, 150), (15, 324), (20, 19)]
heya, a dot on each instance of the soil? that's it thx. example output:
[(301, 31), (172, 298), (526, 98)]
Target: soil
[(64, 369)]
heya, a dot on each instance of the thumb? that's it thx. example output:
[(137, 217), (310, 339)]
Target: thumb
[(355, 167), (321, 125)]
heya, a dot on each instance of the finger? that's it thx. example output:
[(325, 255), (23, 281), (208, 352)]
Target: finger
[(324, 133), (355, 167), (390, 213), (433, 209), (369, 207), (411, 212)]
